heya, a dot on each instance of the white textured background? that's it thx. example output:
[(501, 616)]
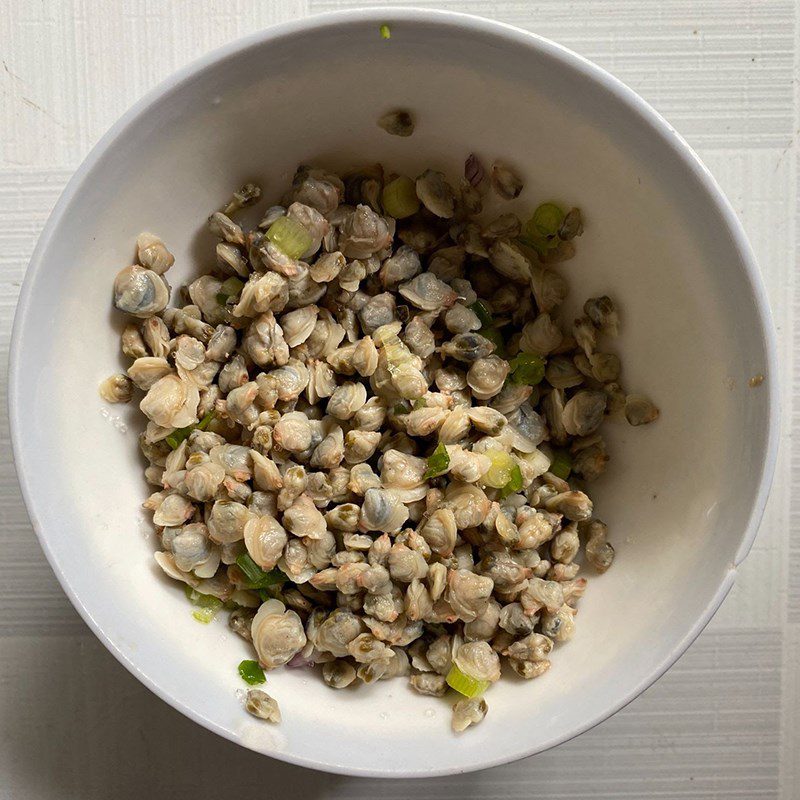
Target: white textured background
[(723, 723)]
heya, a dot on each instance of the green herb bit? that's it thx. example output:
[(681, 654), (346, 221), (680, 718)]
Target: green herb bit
[(526, 369), (484, 315), (386, 32), (488, 329), (547, 220), (465, 684), (419, 403), (514, 484), (251, 672), (180, 434), (207, 605), (438, 462), (400, 198), (232, 287), (496, 338), (258, 578), (289, 236), (561, 465)]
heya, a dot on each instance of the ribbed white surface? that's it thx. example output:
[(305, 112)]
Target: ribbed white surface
[(723, 723)]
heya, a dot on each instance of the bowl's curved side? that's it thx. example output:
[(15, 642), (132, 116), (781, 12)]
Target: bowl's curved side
[(37, 419)]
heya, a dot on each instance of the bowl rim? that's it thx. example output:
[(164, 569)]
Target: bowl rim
[(511, 35)]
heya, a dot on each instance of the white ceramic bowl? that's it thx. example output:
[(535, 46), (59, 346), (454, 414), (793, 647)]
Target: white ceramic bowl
[(683, 497)]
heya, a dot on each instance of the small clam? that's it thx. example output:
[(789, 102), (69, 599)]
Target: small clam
[(171, 402), (549, 288), (277, 634), (117, 389), (225, 228), (363, 233), (583, 413), (153, 254), (397, 123), (460, 319), (261, 705), (346, 400), (382, 510), (140, 292), (639, 410), (505, 181), (486, 376), (510, 261), (436, 194), (264, 341), (327, 267), (262, 293), (603, 314), (467, 593), (132, 342), (468, 347), (402, 266), (265, 540), (427, 292), (377, 311)]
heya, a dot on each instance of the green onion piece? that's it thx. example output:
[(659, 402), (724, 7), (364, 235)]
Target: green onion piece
[(251, 672), (526, 369), (561, 464), (465, 684), (270, 593), (438, 462), (399, 408), (501, 468), (385, 32), (488, 329), (289, 236), (546, 220), (207, 605), (205, 615), (514, 484), (400, 198), (483, 314), (258, 578), (496, 338), (419, 403), (232, 287), (201, 600), (179, 434)]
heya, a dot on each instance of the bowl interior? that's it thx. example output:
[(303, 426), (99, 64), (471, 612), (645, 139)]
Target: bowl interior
[(678, 497)]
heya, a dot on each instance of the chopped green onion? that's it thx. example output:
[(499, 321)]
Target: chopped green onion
[(386, 33), (561, 465), (179, 434), (251, 672), (400, 198), (546, 220), (483, 314), (232, 287), (501, 468), (465, 684), (205, 615), (399, 408), (289, 236), (258, 578), (514, 484), (207, 605), (419, 403), (201, 600), (438, 462), (270, 593), (526, 369), (488, 329)]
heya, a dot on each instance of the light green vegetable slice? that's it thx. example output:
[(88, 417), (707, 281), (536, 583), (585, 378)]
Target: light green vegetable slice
[(465, 684)]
